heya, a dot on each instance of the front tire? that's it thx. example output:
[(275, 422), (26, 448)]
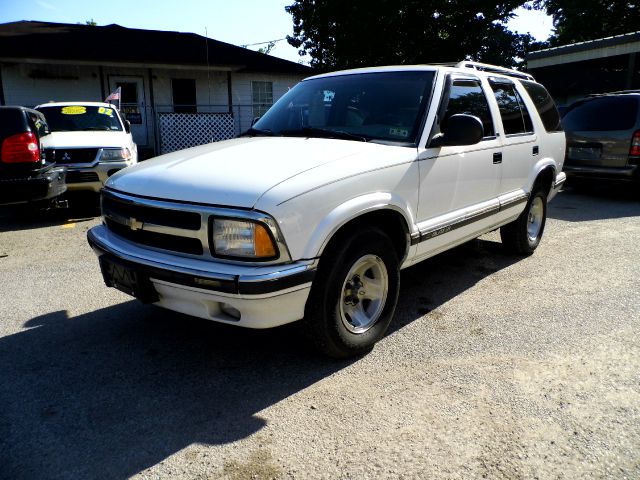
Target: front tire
[(523, 235), (354, 294)]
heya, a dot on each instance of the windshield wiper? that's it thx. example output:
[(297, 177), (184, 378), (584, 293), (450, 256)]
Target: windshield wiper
[(96, 128), (256, 132), (324, 133)]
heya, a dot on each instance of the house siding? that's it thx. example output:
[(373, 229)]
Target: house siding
[(32, 84)]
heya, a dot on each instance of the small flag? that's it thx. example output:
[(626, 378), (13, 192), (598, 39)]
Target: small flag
[(114, 95)]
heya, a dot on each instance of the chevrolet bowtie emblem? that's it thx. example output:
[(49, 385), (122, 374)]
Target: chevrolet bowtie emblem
[(135, 224)]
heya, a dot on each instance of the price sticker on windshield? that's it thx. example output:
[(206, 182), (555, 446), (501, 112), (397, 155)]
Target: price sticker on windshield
[(399, 132), (74, 110), (106, 111)]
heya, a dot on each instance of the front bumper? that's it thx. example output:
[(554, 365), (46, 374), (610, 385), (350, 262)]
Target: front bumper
[(49, 184), (92, 178), (264, 297)]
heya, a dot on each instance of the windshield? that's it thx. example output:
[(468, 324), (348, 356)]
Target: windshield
[(383, 106), (73, 118)]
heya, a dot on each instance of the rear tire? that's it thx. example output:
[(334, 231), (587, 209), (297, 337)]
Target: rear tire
[(354, 294), (523, 235)]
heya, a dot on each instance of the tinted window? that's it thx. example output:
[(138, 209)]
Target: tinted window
[(467, 96), (545, 105), (602, 114), (70, 118), (386, 106), (514, 114)]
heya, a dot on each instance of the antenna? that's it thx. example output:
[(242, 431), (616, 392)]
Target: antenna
[(206, 42)]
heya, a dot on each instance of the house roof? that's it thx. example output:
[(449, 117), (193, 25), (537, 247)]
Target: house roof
[(114, 44), (585, 46)]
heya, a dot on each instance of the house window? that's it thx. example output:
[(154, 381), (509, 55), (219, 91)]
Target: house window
[(184, 95), (262, 97)]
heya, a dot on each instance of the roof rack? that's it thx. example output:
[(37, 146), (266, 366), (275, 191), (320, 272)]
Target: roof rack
[(484, 67)]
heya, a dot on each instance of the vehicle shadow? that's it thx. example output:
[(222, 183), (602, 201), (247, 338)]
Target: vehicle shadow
[(587, 202), (433, 282), (112, 392), (27, 217)]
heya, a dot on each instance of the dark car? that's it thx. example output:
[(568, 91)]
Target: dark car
[(603, 137), (25, 173)]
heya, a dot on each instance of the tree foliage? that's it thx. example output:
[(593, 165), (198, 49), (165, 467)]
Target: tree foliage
[(589, 19), (341, 34)]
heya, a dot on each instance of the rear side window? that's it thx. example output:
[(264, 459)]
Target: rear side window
[(545, 105), (602, 114), (467, 96), (515, 116)]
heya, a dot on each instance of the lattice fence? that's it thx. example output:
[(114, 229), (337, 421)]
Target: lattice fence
[(184, 130)]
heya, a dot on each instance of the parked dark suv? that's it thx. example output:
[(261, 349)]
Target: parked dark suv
[(25, 173), (603, 136)]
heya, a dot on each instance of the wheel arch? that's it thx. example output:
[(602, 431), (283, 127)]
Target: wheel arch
[(545, 174), (388, 216)]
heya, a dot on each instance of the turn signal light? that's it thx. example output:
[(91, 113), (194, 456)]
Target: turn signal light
[(20, 148), (263, 244)]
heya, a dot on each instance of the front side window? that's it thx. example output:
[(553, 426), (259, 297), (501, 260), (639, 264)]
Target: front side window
[(380, 106), (73, 118), (262, 93), (515, 116), (467, 96)]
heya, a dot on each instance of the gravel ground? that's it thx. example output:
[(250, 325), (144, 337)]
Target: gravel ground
[(495, 367)]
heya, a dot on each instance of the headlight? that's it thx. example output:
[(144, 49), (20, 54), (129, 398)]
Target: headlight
[(242, 238), (115, 154)]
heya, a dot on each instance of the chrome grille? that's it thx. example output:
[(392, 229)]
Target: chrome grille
[(175, 226)]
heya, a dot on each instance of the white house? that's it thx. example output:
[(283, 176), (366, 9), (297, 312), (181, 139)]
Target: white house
[(178, 89)]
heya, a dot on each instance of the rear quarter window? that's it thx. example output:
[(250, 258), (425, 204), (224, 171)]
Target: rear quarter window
[(545, 106), (602, 114)]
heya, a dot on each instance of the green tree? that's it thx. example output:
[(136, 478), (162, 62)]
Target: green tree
[(589, 19), (339, 34)]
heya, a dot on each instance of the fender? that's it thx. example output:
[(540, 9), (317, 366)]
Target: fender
[(352, 209)]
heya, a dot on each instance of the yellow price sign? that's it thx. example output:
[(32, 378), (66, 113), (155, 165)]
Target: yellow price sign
[(74, 110), (106, 111)]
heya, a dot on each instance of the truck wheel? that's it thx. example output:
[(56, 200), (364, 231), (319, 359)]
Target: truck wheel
[(523, 235), (354, 294)]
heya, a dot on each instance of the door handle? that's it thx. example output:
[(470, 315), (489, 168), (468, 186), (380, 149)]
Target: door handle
[(497, 157), (536, 150)]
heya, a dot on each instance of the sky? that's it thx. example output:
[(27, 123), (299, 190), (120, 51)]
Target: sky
[(243, 22)]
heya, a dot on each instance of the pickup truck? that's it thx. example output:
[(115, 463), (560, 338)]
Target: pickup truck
[(26, 175), (348, 178)]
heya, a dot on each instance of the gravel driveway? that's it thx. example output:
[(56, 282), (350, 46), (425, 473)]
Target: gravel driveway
[(495, 367)]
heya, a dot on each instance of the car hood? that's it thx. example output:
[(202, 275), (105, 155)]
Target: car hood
[(86, 139), (233, 172)]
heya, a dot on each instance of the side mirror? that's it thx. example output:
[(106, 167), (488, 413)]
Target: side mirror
[(462, 129), (127, 126), (255, 119)]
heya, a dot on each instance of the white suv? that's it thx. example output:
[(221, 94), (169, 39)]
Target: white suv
[(90, 139), (348, 178)]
